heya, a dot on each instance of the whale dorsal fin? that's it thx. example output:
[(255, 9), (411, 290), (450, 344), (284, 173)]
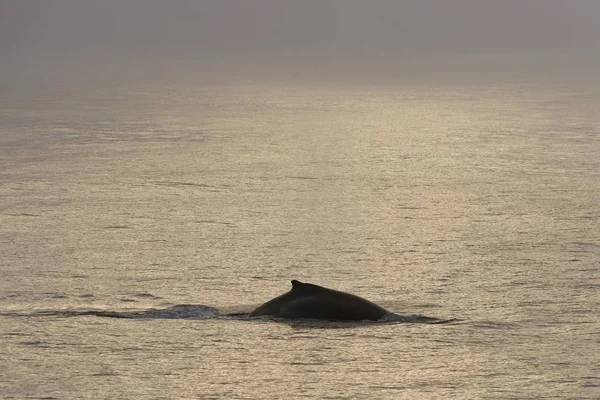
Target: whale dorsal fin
[(297, 284)]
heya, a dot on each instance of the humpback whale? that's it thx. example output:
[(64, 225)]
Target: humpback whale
[(309, 301)]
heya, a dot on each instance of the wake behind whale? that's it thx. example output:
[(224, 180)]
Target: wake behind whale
[(304, 302)]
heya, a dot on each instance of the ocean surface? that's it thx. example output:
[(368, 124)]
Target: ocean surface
[(133, 220)]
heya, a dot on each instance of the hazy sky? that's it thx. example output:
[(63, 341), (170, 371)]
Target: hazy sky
[(301, 39)]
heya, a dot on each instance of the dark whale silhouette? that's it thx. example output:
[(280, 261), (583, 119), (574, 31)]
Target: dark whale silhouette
[(306, 300)]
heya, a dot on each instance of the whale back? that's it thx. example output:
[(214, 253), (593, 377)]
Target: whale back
[(306, 300)]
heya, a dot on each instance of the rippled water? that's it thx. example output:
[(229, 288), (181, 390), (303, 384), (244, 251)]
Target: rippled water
[(168, 207)]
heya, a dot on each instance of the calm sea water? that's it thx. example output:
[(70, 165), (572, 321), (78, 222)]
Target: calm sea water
[(162, 205)]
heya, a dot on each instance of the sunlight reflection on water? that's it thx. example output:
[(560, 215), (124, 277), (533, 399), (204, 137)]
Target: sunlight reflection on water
[(477, 203)]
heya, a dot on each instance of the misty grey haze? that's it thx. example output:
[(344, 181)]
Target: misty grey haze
[(326, 40)]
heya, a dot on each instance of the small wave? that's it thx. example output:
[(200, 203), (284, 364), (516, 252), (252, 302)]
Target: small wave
[(181, 311), (175, 312), (390, 318), (414, 319)]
